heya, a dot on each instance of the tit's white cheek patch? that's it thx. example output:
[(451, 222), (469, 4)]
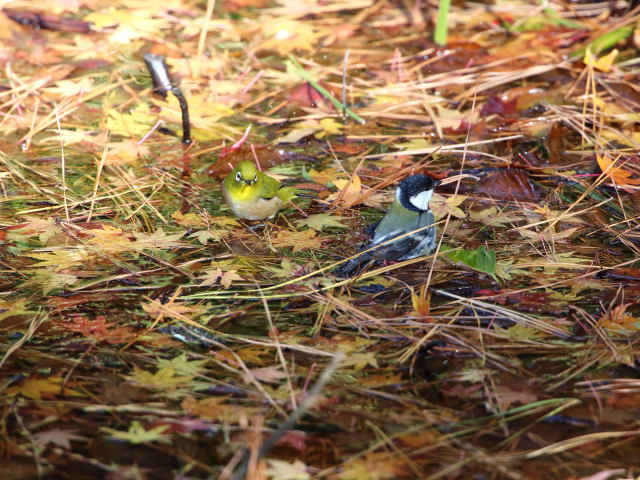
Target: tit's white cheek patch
[(421, 200)]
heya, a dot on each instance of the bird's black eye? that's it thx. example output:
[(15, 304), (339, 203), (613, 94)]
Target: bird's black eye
[(238, 177)]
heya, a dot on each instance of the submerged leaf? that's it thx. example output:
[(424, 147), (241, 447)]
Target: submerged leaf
[(480, 259), (137, 434), (283, 470), (618, 175), (298, 241), (218, 277), (320, 221)]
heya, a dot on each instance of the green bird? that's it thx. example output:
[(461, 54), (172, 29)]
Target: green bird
[(253, 195), (409, 221)]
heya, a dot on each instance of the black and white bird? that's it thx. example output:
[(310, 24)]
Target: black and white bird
[(408, 220)]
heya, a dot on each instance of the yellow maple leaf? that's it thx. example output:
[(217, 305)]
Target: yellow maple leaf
[(130, 24), (301, 130), (617, 320), (297, 240), (69, 137), (125, 152), (442, 206), (111, 240), (325, 176), (70, 88), (604, 64), (213, 408), (373, 466), (43, 228), (204, 114), (165, 377), (349, 191), (137, 434), (189, 219), (158, 239), (360, 360), (548, 235), (283, 470), (84, 47), (49, 280), (38, 387), (217, 276), (177, 310), (285, 36), (330, 126), (61, 259), (135, 123)]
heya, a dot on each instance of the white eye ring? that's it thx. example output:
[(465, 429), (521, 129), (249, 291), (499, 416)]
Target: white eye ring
[(255, 177), (238, 177)]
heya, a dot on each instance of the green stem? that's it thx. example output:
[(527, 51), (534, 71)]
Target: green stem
[(440, 34)]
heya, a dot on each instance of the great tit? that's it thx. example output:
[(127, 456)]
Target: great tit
[(253, 195), (408, 219)]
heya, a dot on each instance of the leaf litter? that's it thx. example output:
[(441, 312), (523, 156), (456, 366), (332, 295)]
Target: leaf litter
[(147, 333)]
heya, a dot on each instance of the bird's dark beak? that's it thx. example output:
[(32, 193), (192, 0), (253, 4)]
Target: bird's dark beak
[(436, 182), (248, 182)]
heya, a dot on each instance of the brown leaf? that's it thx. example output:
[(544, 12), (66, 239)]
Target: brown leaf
[(507, 396), (265, 374), (58, 437), (509, 184)]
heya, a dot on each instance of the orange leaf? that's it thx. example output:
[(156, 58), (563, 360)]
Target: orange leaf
[(616, 174)]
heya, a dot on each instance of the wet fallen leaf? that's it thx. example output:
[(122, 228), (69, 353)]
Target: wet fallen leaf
[(321, 221), (298, 241), (137, 434), (359, 361), (480, 259), (163, 379), (373, 466), (58, 437), (158, 239), (604, 63), (509, 184), (218, 277), (283, 470), (38, 388), (285, 36), (617, 174)]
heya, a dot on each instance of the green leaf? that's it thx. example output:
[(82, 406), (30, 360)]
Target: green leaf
[(480, 259), (606, 41), (320, 221), (440, 33), (285, 270), (520, 333), (181, 365), (360, 360)]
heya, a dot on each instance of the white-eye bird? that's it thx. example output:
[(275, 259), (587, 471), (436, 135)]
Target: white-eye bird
[(253, 195), (408, 213)]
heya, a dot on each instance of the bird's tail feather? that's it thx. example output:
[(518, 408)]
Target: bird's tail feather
[(354, 266)]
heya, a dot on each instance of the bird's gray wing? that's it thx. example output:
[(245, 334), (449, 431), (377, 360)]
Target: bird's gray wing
[(416, 239)]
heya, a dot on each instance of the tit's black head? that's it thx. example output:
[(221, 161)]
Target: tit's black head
[(414, 192)]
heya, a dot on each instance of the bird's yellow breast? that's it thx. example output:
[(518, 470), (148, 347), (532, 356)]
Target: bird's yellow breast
[(251, 208)]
